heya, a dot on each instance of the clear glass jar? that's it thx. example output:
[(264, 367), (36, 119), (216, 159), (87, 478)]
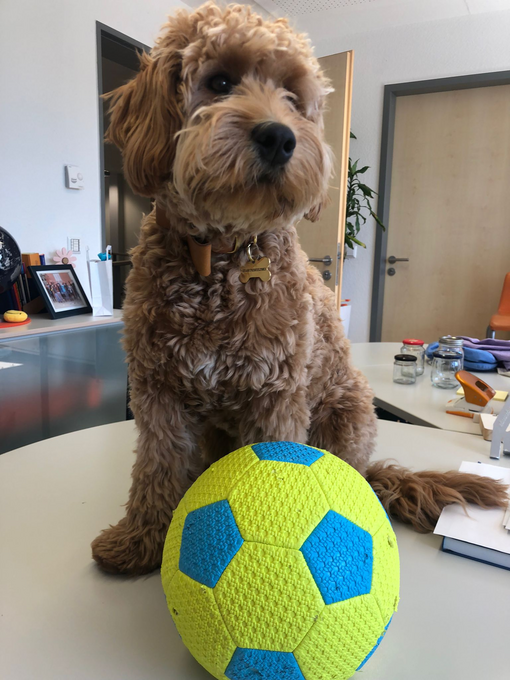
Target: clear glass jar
[(415, 348), (450, 343), (445, 365), (404, 369)]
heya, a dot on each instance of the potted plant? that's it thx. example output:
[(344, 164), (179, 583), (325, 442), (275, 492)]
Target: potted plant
[(358, 206)]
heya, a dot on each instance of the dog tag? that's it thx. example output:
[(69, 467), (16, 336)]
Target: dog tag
[(258, 269)]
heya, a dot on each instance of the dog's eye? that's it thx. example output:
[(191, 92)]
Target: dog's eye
[(220, 84)]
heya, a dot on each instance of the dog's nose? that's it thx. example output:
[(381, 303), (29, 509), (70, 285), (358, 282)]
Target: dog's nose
[(275, 143)]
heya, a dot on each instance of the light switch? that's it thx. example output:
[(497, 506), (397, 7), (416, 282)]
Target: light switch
[(73, 244), (74, 177)]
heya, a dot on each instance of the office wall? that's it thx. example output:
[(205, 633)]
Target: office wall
[(465, 45), (49, 114)]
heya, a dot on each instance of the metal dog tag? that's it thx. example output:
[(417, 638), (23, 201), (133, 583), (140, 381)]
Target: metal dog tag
[(258, 269)]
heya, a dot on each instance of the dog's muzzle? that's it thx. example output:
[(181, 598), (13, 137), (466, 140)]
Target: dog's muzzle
[(275, 143)]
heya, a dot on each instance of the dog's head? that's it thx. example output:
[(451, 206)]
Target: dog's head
[(225, 120)]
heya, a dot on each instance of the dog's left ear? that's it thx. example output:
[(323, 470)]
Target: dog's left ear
[(145, 116)]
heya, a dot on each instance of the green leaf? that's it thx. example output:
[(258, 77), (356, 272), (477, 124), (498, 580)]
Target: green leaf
[(363, 170), (360, 243), (376, 218), (353, 136), (354, 167), (367, 191)]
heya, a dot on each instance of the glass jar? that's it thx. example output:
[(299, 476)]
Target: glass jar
[(404, 369), (450, 343), (445, 365), (415, 348)]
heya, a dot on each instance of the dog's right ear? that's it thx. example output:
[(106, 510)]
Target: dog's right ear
[(145, 116)]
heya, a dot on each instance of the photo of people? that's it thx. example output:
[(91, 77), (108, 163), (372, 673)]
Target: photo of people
[(62, 290)]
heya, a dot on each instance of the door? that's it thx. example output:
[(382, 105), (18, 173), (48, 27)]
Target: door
[(323, 241), (118, 62), (449, 213)]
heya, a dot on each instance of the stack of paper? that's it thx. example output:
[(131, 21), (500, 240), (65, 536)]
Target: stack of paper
[(481, 534)]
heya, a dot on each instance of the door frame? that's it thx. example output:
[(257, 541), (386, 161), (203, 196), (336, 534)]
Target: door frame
[(121, 42), (391, 92)]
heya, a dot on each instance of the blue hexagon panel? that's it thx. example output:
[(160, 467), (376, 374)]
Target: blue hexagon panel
[(339, 555), (254, 664), (210, 539), (287, 452), (374, 647)]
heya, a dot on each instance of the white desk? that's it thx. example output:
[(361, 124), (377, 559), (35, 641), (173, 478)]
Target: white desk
[(420, 404), (62, 619), (43, 324)]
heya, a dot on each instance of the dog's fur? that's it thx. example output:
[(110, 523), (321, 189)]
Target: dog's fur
[(214, 363)]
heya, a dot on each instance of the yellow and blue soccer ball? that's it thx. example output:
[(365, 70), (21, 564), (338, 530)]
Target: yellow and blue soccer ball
[(280, 562)]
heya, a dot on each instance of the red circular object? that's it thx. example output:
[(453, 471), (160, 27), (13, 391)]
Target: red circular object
[(10, 324), (413, 341)]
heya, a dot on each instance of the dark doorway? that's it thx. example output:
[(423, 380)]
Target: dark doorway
[(122, 210)]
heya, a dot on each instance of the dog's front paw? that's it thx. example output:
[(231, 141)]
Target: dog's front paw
[(128, 549)]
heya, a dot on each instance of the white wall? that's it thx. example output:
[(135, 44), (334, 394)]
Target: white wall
[(459, 46), (49, 114)]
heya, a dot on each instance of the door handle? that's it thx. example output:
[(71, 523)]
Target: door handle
[(326, 260), (392, 259)]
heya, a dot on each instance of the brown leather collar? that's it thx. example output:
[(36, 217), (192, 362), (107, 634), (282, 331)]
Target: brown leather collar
[(199, 251)]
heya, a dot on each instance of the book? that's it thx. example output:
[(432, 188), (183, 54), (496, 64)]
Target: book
[(29, 260), (480, 534), (476, 552)]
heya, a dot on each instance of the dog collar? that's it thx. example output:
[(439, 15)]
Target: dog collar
[(200, 251)]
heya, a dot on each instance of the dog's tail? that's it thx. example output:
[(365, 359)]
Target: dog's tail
[(417, 498)]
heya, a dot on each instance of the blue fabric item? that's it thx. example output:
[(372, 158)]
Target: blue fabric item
[(478, 366), (287, 452), (340, 557), (210, 539), (474, 359), (375, 646), (254, 664)]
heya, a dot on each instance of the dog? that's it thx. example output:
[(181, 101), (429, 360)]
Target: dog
[(231, 337)]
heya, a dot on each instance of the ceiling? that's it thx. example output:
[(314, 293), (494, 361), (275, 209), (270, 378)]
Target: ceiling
[(324, 18)]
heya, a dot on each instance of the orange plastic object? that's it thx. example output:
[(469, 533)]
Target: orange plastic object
[(10, 324), (476, 391), (501, 320)]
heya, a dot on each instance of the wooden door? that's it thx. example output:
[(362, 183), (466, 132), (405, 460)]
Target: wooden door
[(326, 237), (449, 213)]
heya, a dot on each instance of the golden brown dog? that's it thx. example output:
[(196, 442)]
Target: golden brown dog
[(223, 127)]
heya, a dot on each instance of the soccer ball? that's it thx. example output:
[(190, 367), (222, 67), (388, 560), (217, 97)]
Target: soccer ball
[(281, 562)]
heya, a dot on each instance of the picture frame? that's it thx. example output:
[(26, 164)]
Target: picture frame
[(61, 290)]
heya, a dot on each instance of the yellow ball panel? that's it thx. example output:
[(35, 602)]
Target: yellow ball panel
[(348, 493), (386, 571), (172, 549), (195, 613), (340, 639), (278, 503), (268, 598), (217, 481)]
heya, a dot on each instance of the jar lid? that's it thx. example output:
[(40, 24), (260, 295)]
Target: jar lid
[(412, 341), (445, 354), (406, 357), (451, 340)]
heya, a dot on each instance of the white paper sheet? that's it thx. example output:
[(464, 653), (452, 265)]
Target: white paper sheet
[(481, 527)]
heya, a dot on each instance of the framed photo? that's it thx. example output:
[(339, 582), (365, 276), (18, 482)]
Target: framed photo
[(61, 290)]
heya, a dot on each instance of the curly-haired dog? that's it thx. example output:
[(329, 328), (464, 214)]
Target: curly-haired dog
[(223, 126)]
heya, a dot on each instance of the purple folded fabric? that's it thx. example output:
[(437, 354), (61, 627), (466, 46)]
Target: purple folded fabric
[(500, 349)]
